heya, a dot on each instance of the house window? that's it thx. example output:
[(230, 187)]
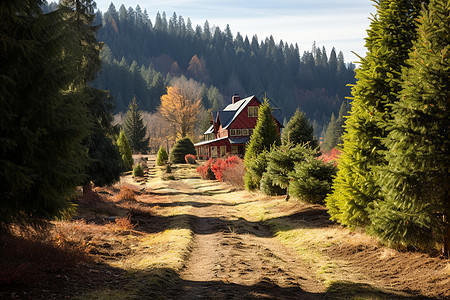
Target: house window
[(223, 150), (238, 132), (244, 132), (250, 131), (253, 111), (232, 132), (213, 151), (234, 150)]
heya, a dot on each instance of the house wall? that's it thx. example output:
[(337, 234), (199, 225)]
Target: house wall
[(243, 121)]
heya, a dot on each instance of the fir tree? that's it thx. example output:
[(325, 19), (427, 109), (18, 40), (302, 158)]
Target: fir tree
[(329, 140), (389, 40), (42, 121), (280, 162), (183, 147), (415, 183), (162, 156), (265, 135), (299, 131), (135, 129), (311, 178), (125, 151)]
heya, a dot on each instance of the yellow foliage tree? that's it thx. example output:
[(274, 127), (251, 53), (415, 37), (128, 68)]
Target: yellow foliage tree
[(180, 107)]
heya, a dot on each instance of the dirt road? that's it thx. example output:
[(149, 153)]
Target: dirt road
[(176, 236), (236, 259)]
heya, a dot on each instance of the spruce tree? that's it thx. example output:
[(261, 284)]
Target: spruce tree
[(415, 183), (183, 147), (280, 162), (265, 135), (162, 157), (125, 151), (42, 121), (329, 141), (390, 37), (299, 131), (135, 129)]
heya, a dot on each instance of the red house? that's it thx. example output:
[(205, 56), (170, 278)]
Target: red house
[(232, 127)]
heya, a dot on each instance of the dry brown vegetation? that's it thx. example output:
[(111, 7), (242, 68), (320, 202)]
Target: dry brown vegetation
[(189, 238)]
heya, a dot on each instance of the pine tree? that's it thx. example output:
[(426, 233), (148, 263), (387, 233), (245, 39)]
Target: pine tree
[(135, 129), (162, 156), (311, 178), (183, 147), (125, 151), (329, 140), (105, 163), (42, 121), (340, 122), (415, 183), (299, 131), (265, 135), (280, 162), (389, 40)]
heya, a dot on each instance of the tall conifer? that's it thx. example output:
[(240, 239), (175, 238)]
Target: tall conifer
[(415, 183), (42, 159), (390, 37), (135, 129), (264, 136)]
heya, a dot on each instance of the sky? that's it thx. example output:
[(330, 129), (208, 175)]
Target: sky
[(331, 23)]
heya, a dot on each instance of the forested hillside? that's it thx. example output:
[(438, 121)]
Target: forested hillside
[(140, 57)]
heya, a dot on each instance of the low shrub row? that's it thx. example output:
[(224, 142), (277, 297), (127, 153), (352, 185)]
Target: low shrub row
[(230, 170)]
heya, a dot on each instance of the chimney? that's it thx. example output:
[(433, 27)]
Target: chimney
[(235, 98)]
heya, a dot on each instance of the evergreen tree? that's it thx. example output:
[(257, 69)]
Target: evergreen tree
[(183, 147), (340, 122), (415, 183), (125, 151), (42, 121), (265, 135), (105, 164), (299, 131), (335, 129), (311, 178), (135, 129), (389, 40), (280, 162), (162, 156), (330, 137)]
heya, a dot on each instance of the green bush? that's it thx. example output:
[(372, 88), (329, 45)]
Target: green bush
[(255, 169), (125, 151), (183, 147), (162, 156), (311, 180), (138, 171), (269, 188)]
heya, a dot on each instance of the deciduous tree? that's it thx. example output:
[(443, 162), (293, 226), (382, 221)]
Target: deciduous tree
[(181, 105)]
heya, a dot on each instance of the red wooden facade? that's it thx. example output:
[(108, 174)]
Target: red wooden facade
[(231, 128)]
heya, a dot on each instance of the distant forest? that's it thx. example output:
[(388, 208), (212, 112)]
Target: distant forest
[(140, 57)]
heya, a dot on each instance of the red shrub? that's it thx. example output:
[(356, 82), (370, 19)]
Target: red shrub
[(234, 173), (190, 159), (205, 170), (218, 168), (333, 155)]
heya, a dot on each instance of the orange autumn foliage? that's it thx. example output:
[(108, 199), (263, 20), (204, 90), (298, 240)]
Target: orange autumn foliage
[(180, 107)]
